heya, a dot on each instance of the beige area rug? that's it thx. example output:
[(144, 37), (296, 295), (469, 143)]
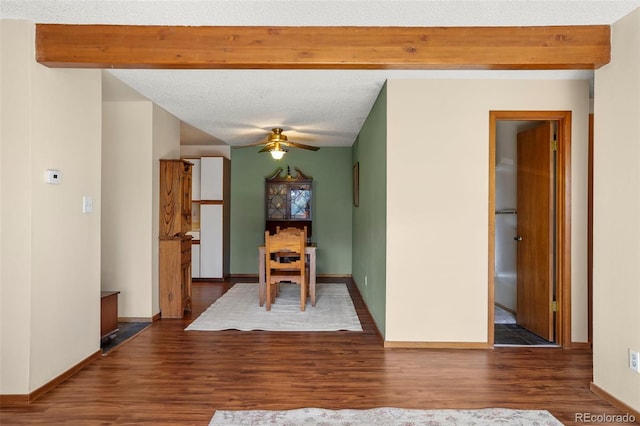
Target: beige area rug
[(385, 417), (238, 309)]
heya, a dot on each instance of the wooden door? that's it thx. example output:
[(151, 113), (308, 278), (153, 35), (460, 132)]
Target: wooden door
[(535, 230)]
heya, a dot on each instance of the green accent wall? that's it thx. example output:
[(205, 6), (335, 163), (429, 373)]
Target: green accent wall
[(331, 170), (370, 218)]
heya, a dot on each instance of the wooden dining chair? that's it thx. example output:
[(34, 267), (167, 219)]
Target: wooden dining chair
[(285, 261), (291, 229), (296, 230)]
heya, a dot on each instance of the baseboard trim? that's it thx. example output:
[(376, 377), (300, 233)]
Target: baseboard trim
[(8, 400), (210, 280), (29, 398), (580, 345), (357, 288), (505, 308), (253, 276), (437, 345), (614, 401)]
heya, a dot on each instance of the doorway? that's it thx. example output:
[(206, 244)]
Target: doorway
[(529, 225)]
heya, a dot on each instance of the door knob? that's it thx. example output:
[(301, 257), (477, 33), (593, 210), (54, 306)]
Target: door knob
[(517, 238)]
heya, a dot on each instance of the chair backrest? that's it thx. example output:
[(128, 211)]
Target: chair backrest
[(289, 241), (285, 250), (292, 229)]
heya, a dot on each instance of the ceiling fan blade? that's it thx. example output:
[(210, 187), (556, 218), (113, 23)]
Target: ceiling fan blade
[(301, 145), (278, 140), (253, 144)]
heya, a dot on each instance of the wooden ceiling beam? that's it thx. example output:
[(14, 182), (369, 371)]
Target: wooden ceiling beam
[(173, 47)]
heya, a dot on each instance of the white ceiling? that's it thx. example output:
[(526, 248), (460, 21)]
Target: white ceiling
[(316, 107)]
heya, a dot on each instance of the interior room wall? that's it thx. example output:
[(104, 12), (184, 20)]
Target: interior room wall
[(330, 168), (51, 119), (437, 199), (126, 264), (15, 207), (195, 151), (370, 217), (616, 198), (135, 136)]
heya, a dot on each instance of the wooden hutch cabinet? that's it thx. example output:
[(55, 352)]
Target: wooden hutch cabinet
[(175, 243), (288, 201)]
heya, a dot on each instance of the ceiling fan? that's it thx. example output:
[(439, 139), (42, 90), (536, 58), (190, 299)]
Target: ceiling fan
[(277, 144)]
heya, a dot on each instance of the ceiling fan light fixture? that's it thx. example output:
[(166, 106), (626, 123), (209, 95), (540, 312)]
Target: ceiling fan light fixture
[(277, 144), (277, 152), (277, 155)]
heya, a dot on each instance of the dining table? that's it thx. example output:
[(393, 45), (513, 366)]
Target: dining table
[(310, 254)]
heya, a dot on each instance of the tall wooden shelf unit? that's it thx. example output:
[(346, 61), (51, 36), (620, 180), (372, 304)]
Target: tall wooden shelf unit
[(175, 243)]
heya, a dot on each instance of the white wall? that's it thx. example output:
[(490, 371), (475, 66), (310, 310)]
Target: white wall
[(136, 135), (616, 239), (437, 201), (197, 151), (51, 118), (127, 206), (15, 207)]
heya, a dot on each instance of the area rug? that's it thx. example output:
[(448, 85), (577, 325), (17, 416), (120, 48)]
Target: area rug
[(385, 417), (238, 309)]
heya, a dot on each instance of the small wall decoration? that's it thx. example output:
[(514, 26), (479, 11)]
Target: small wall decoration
[(356, 183)]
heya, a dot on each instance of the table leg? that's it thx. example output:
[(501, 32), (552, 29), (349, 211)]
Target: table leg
[(261, 275), (312, 278)]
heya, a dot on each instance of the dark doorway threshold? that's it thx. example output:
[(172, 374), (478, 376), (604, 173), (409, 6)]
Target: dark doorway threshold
[(514, 335), (126, 331)]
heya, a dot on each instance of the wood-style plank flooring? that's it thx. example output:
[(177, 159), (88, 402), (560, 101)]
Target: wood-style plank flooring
[(168, 376)]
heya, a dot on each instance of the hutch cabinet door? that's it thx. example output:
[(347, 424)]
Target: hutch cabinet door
[(288, 201)]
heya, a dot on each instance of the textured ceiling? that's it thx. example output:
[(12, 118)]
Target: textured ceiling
[(317, 107)]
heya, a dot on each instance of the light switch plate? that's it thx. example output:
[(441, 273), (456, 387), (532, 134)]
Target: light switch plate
[(634, 360), (87, 204)]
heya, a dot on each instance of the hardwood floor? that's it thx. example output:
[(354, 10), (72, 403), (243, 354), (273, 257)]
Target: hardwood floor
[(168, 376)]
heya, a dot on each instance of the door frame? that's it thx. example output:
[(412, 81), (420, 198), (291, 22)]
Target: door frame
[(562, 217)]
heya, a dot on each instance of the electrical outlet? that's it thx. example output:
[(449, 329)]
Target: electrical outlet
[(634, 360)]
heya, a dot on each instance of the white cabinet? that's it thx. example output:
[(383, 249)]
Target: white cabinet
[(210, 217), (212, 178), (195, 258), (211, 241)]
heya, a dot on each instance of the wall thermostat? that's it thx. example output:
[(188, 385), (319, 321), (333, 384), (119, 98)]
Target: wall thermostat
[(54, 176)]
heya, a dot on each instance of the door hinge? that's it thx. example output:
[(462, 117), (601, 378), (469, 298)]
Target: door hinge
[(554, 145), (554, 306)]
